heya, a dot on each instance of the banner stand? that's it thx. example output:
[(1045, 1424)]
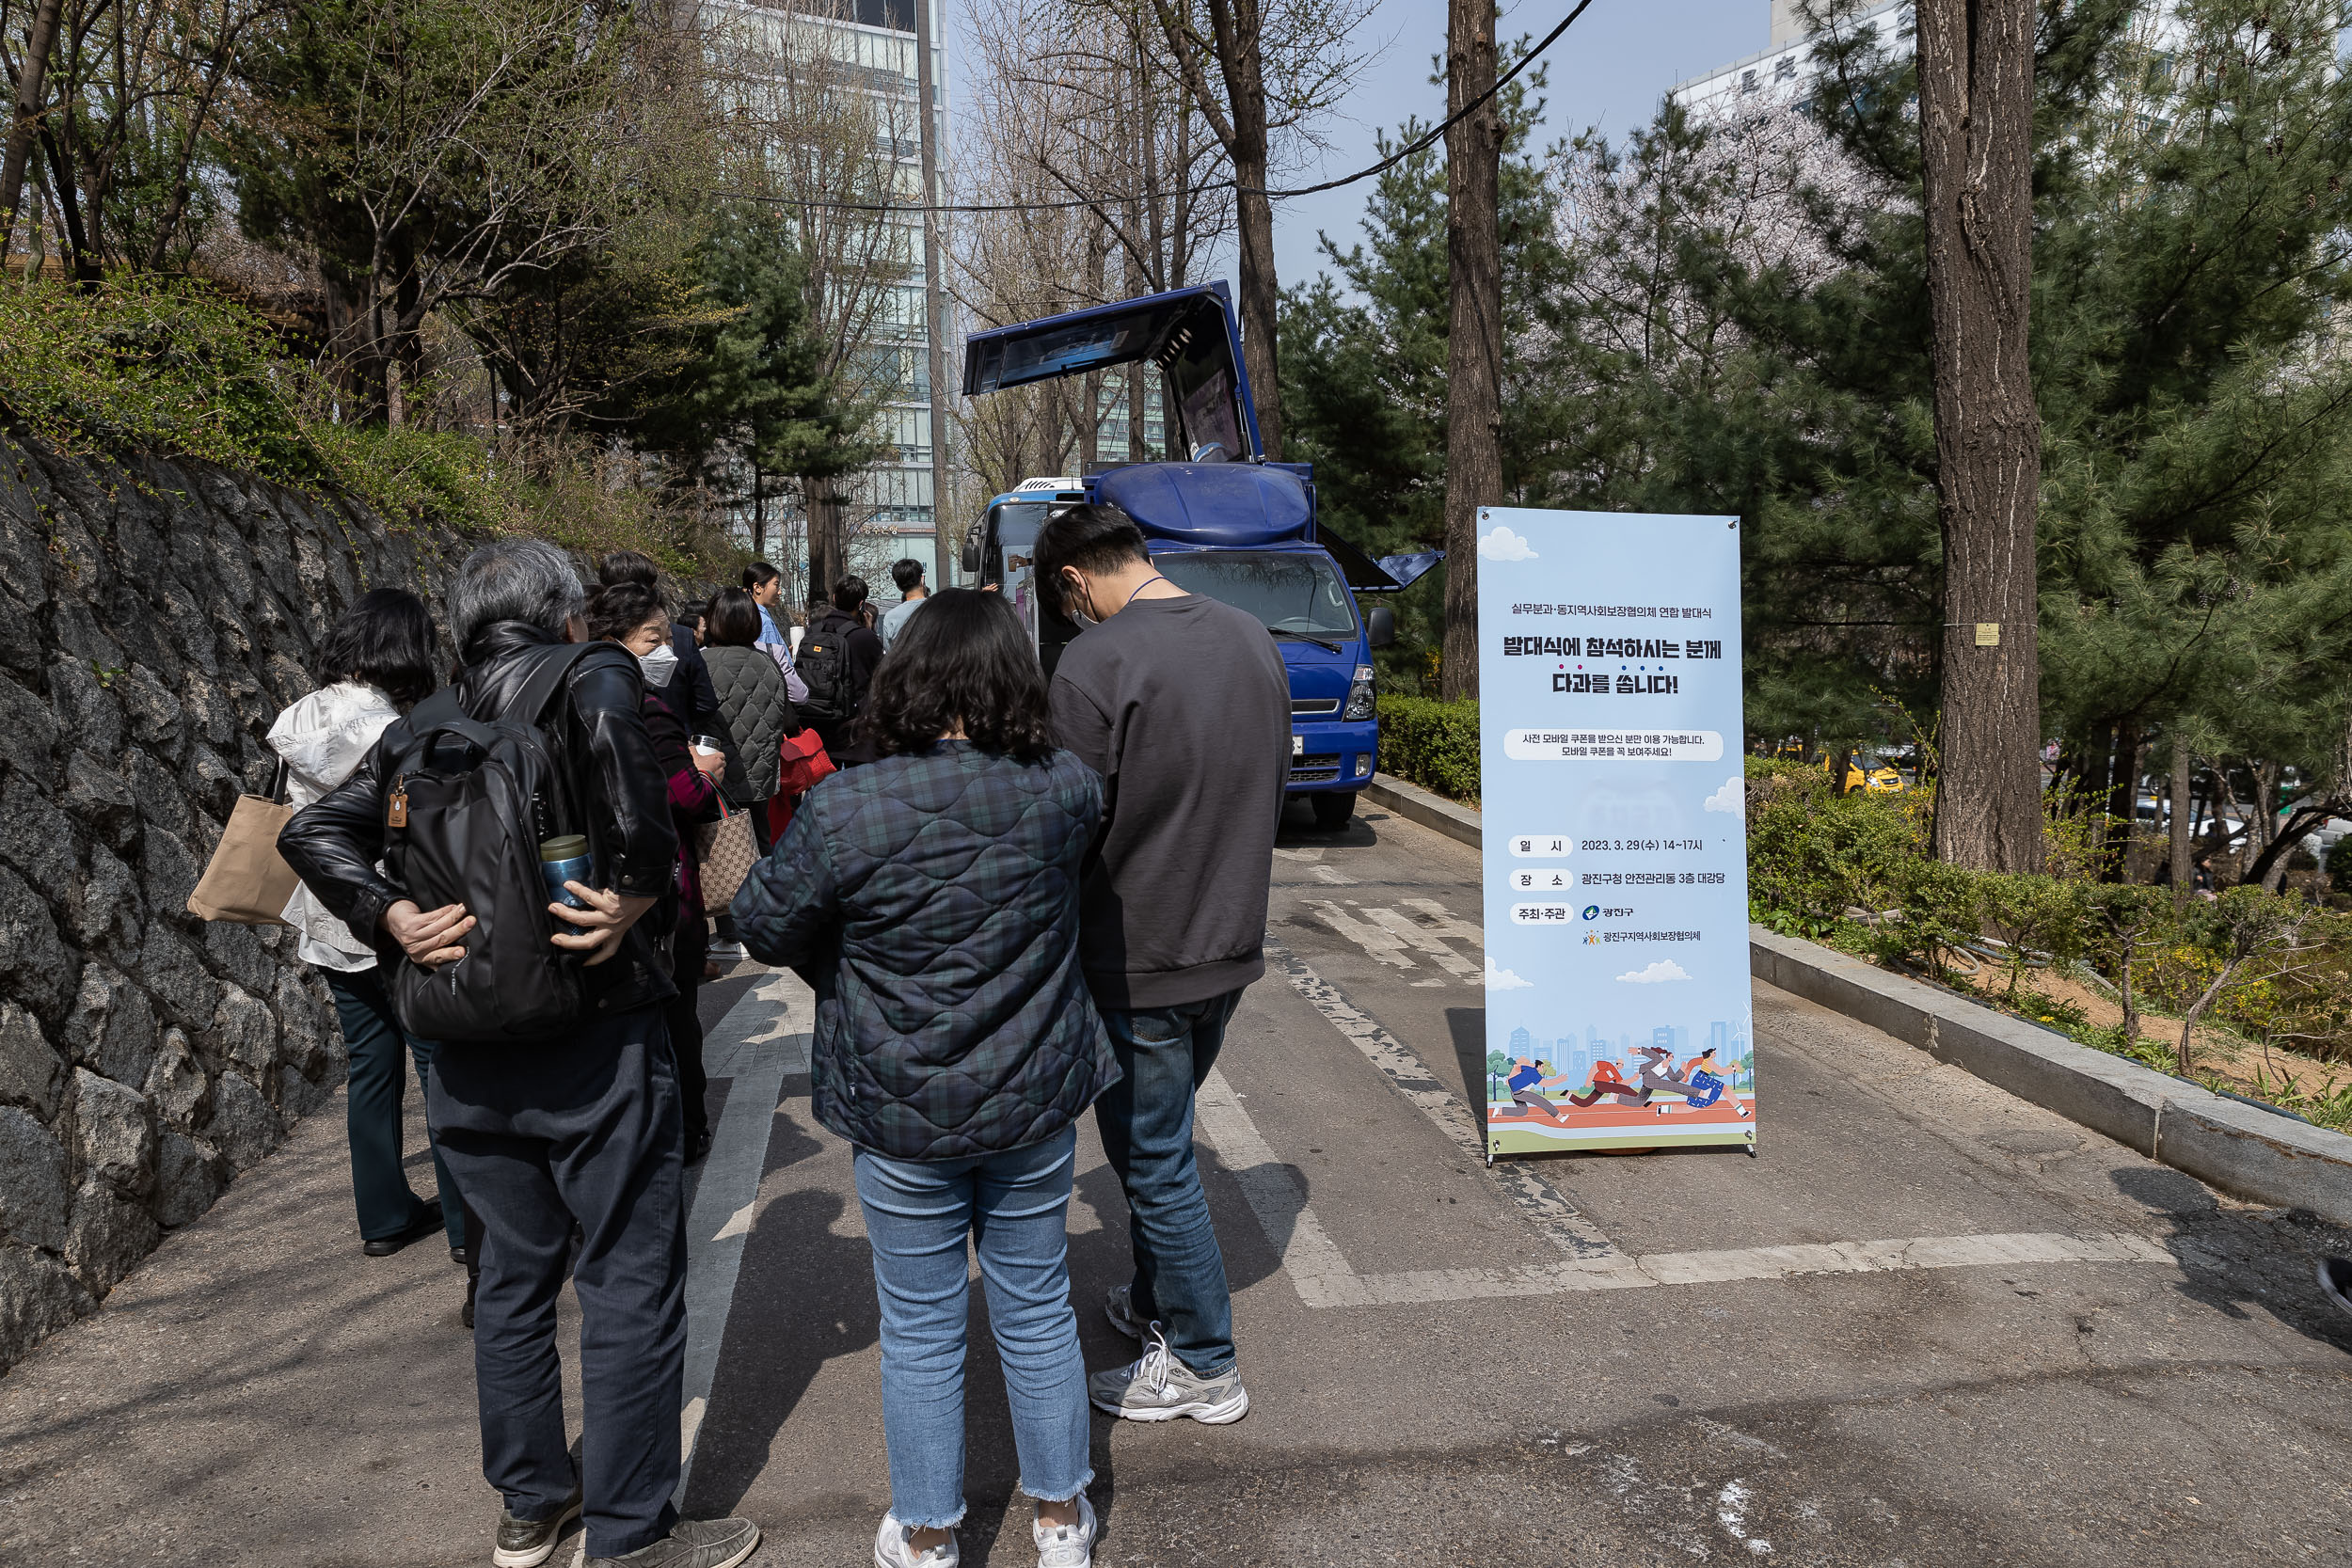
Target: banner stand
[(1614, 793)]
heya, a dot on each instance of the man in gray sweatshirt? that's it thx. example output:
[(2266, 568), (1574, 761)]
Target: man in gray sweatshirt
[(1183, 704)]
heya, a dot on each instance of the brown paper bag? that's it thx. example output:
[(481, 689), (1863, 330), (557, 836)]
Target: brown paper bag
[(248, 883)]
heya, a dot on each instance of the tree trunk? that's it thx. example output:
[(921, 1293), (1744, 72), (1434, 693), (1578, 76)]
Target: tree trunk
[(24, 121), (825, 566), (1090, 420), (1259, 293), (1975, 134), (79, 258), (1135, 413), (2181, 825), (759, 517), (2269, 868), (1238, 28), (1473, 441), (2123, 794), (934, 308)]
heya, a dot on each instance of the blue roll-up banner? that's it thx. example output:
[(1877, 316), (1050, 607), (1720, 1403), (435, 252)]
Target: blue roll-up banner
[(1615, 846)]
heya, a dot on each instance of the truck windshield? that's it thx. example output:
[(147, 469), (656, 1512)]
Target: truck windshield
[(1289, 590)]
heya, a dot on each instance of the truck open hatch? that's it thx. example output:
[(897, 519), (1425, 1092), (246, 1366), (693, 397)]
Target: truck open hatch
[(1188, 333)]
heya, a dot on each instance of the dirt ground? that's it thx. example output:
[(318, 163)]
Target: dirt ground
[(2235, 1063)]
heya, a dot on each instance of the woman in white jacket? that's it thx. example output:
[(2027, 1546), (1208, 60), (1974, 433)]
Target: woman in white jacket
[(377, 663)]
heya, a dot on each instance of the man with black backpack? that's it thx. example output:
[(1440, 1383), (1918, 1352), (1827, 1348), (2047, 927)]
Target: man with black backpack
[(836, 663), (555, 1097)]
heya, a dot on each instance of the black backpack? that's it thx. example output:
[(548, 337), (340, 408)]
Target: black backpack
[(465, 805), (823, 664)]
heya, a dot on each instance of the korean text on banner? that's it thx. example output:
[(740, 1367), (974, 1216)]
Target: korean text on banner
[(1617, 1003)]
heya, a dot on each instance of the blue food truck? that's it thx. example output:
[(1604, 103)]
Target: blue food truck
[(1226, 523)]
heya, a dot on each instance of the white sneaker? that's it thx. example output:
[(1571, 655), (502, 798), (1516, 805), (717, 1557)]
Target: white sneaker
[(892, 1549), (728, 952), (1159, 1387), (1067, 1545), (1121, 1310)]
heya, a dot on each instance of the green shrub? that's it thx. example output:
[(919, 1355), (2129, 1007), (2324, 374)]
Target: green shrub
[(168, 367), (1433, 744), (1813, 854), (2045, 915)]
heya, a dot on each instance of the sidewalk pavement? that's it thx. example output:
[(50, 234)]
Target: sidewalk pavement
[(1930, 1324)]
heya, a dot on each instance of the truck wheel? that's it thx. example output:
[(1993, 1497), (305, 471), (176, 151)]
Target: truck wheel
[(1332, 809)]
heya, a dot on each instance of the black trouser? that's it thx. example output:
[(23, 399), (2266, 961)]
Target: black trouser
[(381, 1054), (582, 1129), (688, 946)]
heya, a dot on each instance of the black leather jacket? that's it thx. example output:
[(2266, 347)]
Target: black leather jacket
[(333, 844)]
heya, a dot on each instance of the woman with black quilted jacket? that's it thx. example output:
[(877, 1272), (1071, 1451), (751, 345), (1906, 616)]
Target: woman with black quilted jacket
[(932, 902), (751, 699)]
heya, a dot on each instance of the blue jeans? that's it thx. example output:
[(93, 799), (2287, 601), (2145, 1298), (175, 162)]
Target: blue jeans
[(1015, 1208), (1146, 1122), (381, 1052)]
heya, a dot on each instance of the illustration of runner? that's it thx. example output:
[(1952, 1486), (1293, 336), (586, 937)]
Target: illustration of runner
[(1528, 1081), (1704, 1084), (1607, 1082), (1658, 1076)]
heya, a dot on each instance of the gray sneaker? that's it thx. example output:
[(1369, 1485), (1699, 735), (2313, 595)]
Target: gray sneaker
[(691, 1543), (527, 1543), (1121, 1310), (1159, 1387)]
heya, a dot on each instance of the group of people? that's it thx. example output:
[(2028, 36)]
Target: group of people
[(1016, 901)]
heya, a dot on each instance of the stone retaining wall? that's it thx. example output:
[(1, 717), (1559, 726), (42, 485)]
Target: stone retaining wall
[(153, 623)]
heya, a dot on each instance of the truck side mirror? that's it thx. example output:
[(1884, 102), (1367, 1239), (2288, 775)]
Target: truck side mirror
[(1380, 626)]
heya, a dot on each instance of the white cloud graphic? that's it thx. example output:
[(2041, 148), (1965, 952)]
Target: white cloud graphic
[(1503, 979), (1502, 545), (1732, 797), (1664, 969)]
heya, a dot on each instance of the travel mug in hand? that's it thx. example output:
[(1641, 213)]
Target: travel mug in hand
[(564, 859)]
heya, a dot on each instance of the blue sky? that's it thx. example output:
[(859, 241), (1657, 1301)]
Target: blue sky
[(1609, 69)]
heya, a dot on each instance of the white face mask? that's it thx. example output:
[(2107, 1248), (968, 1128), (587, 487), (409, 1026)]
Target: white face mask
[(659, 665)]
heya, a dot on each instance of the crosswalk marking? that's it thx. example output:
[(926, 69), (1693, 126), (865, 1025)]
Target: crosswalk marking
[(1385, 935), (1428, 941), (1384, 946), (763, 1039)]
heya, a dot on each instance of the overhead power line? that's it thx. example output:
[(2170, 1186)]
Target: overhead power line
[(1419, 144)]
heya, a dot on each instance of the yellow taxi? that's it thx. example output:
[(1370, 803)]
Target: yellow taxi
[(1867, 771)]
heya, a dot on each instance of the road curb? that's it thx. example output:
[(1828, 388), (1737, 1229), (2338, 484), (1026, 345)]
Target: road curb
[(1416, 804), (2239, 1148)]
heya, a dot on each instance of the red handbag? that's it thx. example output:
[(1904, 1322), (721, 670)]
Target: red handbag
[(802, 761)]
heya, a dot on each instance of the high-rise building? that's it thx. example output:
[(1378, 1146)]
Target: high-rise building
[(889, 507), (1522, 1042), (1782, 72)]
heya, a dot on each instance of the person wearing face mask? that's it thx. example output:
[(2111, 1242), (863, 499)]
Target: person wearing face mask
[(690, 693), (632, 615)]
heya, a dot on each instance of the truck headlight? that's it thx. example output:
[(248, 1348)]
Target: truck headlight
[(1360, 698)]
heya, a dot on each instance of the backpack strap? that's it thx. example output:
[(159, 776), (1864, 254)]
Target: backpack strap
[(537, 691), (438, 715)]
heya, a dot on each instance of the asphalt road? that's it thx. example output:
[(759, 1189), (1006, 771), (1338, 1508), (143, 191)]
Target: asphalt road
[(1928, 1324)]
